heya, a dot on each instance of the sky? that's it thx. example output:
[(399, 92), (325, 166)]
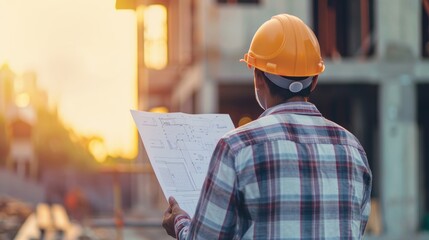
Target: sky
[(84, 55)]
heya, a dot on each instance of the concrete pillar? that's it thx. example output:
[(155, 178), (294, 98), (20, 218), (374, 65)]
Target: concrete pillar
[(302, 9), (207, 95), (142, 72), (143, 181), (398, 28), (399, 160), (398, 46)]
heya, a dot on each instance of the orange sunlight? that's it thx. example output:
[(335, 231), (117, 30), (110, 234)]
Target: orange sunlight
[(155, 45), (84, 55)]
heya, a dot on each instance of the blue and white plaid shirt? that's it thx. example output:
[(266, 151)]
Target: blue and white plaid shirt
[(290, 174)]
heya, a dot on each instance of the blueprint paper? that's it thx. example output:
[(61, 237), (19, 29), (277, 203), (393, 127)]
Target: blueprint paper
[(179, 147)]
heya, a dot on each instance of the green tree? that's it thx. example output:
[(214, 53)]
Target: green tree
[(59, 147)]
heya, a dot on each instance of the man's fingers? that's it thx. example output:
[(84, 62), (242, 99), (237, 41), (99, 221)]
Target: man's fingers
[(167, 211), (173, 203), (168, 221)]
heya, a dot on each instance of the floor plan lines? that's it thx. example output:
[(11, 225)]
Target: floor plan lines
[(176, 177), (179, 147)]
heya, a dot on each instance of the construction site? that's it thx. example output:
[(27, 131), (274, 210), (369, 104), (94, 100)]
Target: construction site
[(376, 54)]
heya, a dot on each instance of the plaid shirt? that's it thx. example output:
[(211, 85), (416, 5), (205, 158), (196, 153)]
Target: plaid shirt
[(291, 174)]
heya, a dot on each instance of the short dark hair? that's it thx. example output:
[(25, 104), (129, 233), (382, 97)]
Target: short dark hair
[(282, 92)]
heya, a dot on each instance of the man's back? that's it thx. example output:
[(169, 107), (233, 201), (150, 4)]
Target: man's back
[(301, 176), (298, 176)]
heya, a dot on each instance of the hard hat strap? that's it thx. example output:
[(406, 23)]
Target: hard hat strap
[(293, 86)]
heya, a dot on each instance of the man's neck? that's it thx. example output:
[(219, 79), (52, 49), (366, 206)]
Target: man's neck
[(297, 99), (278, 100)]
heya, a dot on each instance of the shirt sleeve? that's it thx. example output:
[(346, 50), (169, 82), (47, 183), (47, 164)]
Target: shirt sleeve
[(216, 215), (366, 204), (181, 226)]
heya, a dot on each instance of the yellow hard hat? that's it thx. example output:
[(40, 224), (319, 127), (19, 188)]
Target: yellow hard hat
[(286, 46)]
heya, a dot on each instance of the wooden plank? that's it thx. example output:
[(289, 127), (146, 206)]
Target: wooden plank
[(29, 230), (60, 217), (48, 222), (43, 216)]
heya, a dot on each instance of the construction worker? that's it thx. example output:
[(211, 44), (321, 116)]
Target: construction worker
[(290, 174)]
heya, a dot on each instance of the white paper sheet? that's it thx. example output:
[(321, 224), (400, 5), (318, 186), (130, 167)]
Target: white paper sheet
[(179, 147)]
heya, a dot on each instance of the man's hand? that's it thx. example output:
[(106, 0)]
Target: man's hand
[(170, 215)]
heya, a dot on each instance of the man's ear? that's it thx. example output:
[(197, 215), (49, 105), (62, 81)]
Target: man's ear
[(259, 80), (314, 83)]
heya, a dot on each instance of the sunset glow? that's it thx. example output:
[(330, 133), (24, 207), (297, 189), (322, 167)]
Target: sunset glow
[(84, 56), (159, 110), (22, 100), (98, 150), (155, 36)]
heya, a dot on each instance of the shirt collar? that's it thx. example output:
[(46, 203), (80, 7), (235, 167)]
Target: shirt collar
[(302, 108)]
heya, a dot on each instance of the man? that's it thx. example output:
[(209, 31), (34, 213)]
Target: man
[(290, 174)]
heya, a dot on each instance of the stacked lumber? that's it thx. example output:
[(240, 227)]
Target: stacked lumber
[(13, 213)]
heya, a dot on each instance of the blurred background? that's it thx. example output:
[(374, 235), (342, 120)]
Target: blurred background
[(71, 163)]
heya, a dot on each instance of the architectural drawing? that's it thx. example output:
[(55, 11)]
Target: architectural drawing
[(179, 147)]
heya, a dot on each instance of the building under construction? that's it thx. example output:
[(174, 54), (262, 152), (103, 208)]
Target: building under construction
[(375, 83)]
